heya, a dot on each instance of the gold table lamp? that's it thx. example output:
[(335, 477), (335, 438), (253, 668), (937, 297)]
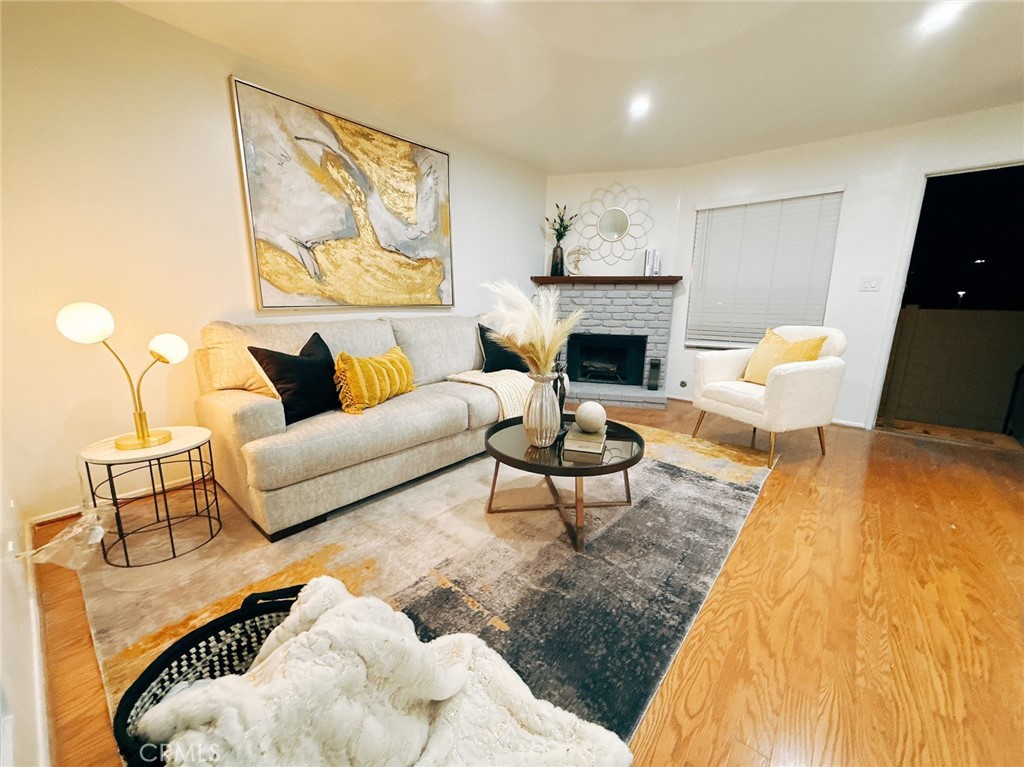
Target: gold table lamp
[(87, 323)]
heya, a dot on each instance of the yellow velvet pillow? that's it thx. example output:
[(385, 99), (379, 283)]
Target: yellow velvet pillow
[(774, 350), (367, 381)]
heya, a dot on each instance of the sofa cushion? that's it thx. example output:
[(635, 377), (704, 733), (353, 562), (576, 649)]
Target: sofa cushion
[(438, 346), (335, 440), (497, 357), (481, 401), (365, 382), (227, 363), (749, 396), (304, 381)]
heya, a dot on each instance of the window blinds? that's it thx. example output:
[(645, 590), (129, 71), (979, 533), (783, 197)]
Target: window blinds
[(761, 265)]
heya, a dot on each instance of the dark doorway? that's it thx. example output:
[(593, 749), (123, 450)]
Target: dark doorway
[(959, 347), (970, 240)]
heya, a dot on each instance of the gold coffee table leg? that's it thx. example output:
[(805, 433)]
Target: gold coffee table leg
[(556, 500), (581, 516), (576, 531), (494, 483), (554, 494)]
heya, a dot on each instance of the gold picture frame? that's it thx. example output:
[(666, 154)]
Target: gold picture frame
[(341, 214)]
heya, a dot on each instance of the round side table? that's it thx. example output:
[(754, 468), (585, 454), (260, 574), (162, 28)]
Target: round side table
[(137, 484)]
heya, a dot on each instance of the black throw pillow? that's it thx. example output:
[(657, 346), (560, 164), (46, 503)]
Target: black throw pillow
[(305, 382), (497, 357)]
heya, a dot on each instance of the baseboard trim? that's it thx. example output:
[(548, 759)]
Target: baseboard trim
[(42, 719), (54, 516), (76, 511)]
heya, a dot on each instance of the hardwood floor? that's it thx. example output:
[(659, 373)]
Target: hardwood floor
[(871, 613), (953, 434), (80, 731)]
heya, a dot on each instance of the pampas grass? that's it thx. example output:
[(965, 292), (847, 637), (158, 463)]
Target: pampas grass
[(529, 328)]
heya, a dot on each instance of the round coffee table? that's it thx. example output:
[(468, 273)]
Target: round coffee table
[(506, 442)]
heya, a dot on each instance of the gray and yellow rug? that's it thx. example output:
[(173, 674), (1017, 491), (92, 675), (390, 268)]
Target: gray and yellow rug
[(592, 632)]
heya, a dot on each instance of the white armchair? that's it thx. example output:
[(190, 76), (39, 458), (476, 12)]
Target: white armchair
[(797, 395)]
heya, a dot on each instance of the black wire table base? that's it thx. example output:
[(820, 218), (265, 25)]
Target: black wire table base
[(149, 515)]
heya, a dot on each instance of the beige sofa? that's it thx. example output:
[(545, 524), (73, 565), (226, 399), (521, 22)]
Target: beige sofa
[(287, 478)]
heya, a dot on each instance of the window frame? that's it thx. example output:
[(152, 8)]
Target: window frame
[(828, 213)]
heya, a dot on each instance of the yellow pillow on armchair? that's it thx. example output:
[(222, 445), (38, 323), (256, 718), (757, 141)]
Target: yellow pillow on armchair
[(774, 350), (367, 381)]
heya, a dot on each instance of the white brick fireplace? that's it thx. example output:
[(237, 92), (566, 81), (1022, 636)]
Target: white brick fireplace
[(621, 306)]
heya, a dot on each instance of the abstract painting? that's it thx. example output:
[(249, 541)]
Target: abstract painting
[(341, 214)]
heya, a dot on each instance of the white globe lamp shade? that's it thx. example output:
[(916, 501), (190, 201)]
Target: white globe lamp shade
[(85, 323), (169, 348)]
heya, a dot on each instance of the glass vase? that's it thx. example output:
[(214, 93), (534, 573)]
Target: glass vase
[(541, 417)]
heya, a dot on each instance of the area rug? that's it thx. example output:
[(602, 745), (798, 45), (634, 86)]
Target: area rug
[(592, 631)]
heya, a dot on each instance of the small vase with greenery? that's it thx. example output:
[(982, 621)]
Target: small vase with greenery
[(559, 226)]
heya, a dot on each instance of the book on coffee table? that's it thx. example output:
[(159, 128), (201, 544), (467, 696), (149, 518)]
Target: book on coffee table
[(585, 442), (583, 456)]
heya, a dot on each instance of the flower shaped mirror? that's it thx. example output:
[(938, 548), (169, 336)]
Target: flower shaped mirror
[(613, 224)]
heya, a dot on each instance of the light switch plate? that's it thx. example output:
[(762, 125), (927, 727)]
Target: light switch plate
[(870, 284)]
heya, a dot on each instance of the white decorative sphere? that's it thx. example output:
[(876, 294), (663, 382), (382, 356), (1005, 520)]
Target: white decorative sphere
[(590, 416)]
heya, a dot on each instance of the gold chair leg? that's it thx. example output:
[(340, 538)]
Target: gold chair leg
[(700, 420), (771, 450), (821, 438)]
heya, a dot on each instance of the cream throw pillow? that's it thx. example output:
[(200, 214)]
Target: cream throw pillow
[(774, 350)]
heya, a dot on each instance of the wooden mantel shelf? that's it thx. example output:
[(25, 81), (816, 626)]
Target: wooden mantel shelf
[(607, 280)]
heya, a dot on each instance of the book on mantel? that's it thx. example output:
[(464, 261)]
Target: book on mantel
[(580, 441)]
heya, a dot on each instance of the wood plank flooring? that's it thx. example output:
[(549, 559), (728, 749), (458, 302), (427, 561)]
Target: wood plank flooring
[(80, 731), (871, 613), (952, 434)]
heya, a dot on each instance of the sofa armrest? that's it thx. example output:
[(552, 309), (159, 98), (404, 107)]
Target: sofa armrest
[(237, 417), (242, 416), (711, 367), (799, 395)]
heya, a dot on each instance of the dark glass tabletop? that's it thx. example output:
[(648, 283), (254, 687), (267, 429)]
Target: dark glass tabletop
[(506, 442)]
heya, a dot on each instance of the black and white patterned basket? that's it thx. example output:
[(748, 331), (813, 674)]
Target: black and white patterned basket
[(225, 645)]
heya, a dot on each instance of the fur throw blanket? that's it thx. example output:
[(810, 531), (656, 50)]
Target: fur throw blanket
[(345, 681)]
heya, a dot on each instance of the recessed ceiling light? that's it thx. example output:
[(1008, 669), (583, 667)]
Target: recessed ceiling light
[(979, 260), (639, 106), (941, 15)]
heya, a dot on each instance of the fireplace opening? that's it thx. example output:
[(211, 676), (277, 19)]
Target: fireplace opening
[(606, 358)]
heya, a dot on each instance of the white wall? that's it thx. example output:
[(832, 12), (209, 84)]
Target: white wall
[(20, 655), (121, 186), (883, 175)]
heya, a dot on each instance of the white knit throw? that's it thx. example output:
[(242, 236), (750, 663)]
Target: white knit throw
[(345, 681), (510, 386)]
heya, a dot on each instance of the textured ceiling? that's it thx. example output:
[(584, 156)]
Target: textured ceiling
[(550, 83)]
